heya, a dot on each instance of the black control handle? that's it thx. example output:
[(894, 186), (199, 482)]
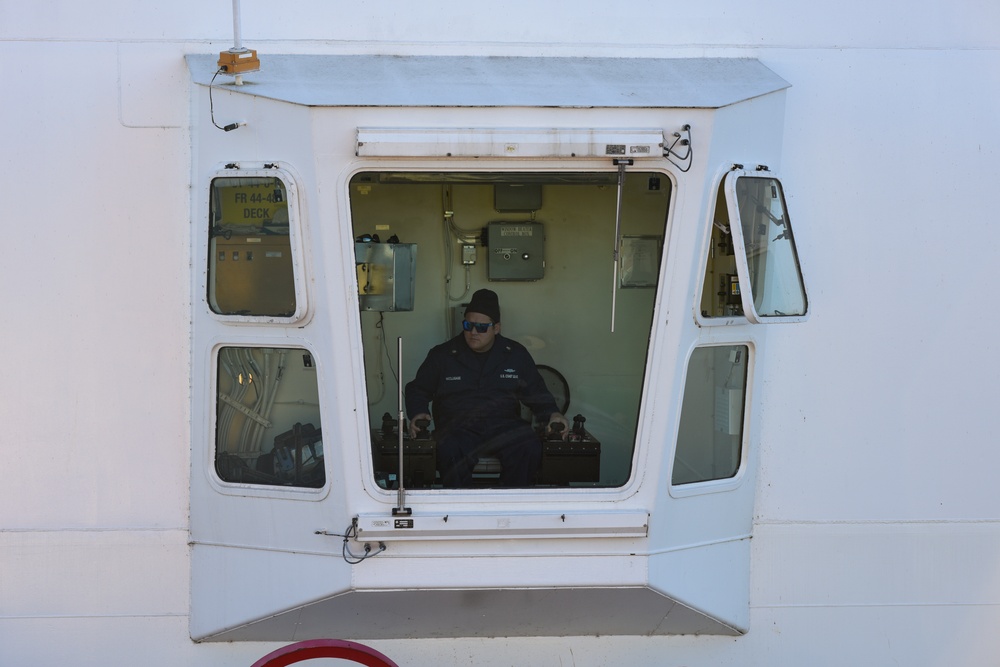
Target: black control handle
[(555, 431), (388, 424)]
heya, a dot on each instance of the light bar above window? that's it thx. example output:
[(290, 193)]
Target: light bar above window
[(509, 142)]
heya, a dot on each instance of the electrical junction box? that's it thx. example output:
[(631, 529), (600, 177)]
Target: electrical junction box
[(387, 274), (468, 254), (238, 62), (516, 251), (517, 197)]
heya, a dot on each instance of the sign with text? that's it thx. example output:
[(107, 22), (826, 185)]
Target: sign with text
[(250, 201)]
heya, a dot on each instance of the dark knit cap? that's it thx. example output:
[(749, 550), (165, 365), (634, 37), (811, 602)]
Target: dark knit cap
[(486, 302)]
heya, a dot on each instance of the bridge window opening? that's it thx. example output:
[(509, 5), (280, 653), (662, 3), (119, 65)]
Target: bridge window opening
[(752, 268), (267, 428), (720, 295), (250, 268), (710, 434), (542, 245)]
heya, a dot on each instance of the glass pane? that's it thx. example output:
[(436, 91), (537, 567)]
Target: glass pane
[(268, 427), (710, 436), (543, 244), (720, 294), (775, 278), (250, 258)]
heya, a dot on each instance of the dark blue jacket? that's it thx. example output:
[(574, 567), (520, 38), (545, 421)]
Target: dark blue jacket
[(467, 390)]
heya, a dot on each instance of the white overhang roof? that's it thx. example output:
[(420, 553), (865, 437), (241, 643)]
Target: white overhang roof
[(497, 81)]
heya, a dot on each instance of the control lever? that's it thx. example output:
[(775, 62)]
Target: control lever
[(578, 432), (422, 432), (555, 431), (388, 424)]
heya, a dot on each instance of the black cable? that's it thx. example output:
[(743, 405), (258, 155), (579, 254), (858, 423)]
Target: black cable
[(352, 532), (211, 104), (687, 157), (352, 558)]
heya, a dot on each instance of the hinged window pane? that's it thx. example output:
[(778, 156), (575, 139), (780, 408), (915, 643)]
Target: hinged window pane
[(770, 280)]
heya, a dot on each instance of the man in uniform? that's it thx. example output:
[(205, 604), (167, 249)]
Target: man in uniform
[(477, 382)]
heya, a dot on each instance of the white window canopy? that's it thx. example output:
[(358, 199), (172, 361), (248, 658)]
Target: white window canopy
[(482, 81), (509, 142)]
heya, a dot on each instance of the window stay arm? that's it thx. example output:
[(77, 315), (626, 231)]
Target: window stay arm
[(621, 163)]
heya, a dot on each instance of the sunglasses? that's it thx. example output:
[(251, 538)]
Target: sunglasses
[(481, 327)]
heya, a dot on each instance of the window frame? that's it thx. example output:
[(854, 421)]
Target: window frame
[(739, 243), (295, 236), (736, 480), (241, 488), (641, 442)]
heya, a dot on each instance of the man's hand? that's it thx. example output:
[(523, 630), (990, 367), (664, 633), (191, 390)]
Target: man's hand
[(557, 418), (413, 423)]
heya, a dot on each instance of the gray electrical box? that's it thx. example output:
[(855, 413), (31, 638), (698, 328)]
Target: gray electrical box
[(517, 197), (387, 275), (516, 250)]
